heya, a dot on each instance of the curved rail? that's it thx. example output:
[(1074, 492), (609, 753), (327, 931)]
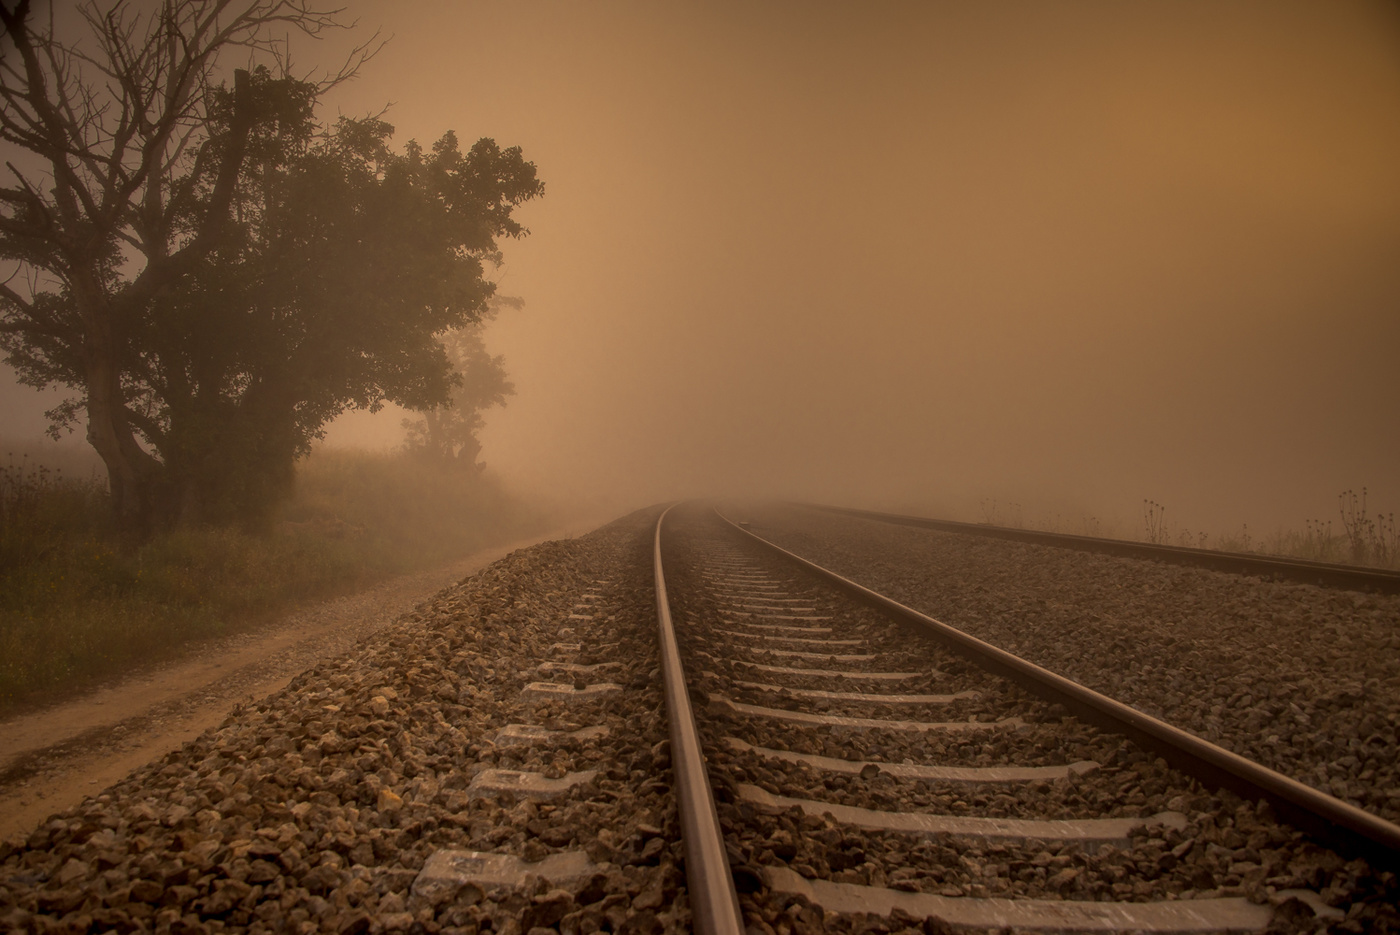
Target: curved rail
[(1306, 808), (1326, 574), (714, 903)]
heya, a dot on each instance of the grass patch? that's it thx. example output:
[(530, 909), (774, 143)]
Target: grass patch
[(79, 604)]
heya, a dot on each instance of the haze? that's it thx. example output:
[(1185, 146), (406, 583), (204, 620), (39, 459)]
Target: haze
[(923, 256)]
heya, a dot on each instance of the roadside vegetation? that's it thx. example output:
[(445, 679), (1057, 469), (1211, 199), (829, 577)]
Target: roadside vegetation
[(1361, 537), (212, 269), (1358, 536), (82, 600)]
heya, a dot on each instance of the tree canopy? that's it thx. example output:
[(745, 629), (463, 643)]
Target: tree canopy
[(215, 273)]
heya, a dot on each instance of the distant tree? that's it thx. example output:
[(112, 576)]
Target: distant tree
[(215, 273), (446, 433)]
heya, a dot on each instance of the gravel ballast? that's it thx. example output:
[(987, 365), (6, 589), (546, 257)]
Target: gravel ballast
[(1303, 679), (319, 808), (316, 809)]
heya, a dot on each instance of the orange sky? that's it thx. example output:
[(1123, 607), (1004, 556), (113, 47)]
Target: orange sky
[(1069, 255)]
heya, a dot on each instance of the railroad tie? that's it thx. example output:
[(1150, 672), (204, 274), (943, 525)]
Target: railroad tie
[(743, 613), (720, 703), (828, 657), (526, 785), (447, 871), (832, 673), (780, 628), (545, 668), (791, 639), (1221, 914), (555, 691), (1090, 833), (871, 697), (916, 771), (530, 734)]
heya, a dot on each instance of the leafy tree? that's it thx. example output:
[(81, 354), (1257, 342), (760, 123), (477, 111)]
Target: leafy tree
[(213, 272), (447, 433), (351, 259)]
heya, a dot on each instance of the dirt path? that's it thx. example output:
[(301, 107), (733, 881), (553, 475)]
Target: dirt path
[(52, 759)]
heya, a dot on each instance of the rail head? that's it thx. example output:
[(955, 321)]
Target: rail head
[(1341, 823), (714, 903)]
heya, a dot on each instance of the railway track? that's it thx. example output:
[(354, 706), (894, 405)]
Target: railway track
[(516, 758), (1301, 678), (1324, 574), (871, 773)]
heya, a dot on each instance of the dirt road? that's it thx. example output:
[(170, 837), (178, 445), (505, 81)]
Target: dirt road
[(53, 758)]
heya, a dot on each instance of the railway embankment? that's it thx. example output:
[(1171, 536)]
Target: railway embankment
[(381, 791)]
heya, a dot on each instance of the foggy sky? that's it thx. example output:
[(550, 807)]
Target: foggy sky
[(921, 255)]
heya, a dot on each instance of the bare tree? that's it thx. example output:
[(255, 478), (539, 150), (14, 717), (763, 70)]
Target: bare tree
[(109, 129)]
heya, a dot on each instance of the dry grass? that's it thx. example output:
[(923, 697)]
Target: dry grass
[(78, 604), (1366, 538)]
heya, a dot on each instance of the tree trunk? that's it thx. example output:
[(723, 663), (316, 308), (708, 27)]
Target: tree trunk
[(142, 497), (131, 471), (437, 444)]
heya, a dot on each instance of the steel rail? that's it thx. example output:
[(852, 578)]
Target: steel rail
[(714, 903), (1345, 826), (1326, 574)]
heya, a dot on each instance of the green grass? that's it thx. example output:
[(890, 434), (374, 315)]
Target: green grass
[(78, 604)]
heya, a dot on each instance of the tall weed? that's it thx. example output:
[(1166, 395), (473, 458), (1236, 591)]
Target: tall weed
[(1369, 539)]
